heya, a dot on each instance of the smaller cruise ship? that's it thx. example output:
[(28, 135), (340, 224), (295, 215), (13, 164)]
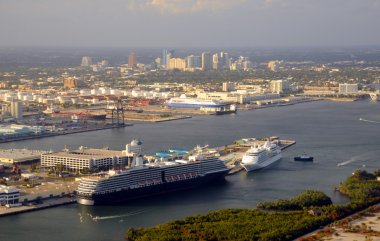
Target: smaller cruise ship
[(186, 102), (261, 156)]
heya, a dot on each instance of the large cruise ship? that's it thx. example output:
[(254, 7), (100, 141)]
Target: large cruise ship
[(185, 102), (150, 179), (261, 156)]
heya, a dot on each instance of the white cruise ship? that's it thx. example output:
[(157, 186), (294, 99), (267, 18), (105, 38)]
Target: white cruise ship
[(261, 156), (186, 102)]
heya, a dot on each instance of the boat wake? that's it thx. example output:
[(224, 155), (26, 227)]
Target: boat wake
[(370, 121), (365, 157), (346, 162), (119, 216)]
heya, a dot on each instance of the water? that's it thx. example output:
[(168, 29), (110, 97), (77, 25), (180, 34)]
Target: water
[(331, 132)]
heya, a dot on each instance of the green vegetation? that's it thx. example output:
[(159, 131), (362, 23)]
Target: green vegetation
[(361, 187), (310, 210), (233, 224), (306, 199)]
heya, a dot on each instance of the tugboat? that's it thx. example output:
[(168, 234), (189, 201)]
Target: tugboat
[(304, 157)]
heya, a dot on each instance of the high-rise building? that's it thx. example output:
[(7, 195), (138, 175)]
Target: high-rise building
[(166, 56), (86, 61), (176, 63), (132, 60), (228, 86), (194, 62), (279, 86), (16, 109), (225, 60), (347, 89), (206, 61), (215, 62)]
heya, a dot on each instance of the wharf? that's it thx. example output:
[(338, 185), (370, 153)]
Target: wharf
[(232, 160), (50, 203), (154, 118), (66, 132)]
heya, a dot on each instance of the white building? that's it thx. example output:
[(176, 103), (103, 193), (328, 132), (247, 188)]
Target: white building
[(9, 195), (206, 61), (279, 86), (77, 160), (228, 86), (16, 109), (348, 89), (86, 61)]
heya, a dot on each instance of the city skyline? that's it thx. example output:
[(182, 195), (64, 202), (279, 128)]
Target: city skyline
[(189, 23)]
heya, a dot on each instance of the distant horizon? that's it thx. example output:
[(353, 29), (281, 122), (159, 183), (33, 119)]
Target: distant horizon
[(192, 23), (194, 47)]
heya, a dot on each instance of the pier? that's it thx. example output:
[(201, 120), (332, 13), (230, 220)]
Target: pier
[(49, 203), (237, 151), (65, 132)]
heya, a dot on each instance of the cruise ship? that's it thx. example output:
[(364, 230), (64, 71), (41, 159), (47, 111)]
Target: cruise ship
[(261, 156), (185, 102), (143, 180)]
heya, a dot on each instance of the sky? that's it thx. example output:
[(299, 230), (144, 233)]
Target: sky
[(189, 23)]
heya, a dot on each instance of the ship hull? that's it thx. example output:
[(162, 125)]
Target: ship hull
[(154, 190), (308, 159), (189, 105), (257, 166)]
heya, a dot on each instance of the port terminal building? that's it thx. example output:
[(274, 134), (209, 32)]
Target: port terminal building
[(9, 195), (92, 159), (20, 156)]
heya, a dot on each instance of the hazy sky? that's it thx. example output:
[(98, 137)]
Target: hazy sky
[(189, 23)]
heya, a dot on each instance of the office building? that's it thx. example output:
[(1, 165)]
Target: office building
[(279, 86), (86, 61), (225, 60), (132, 60), (194, 62), (16, 109), (177, 63), (166, 56), (348, 89), (206, 61), (215, 61), (228, 86)]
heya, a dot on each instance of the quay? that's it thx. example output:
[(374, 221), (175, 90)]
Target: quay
[(237, 150), (65, 132), (49, 203)]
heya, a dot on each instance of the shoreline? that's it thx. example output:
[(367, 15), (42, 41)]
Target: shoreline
[(49, 203), (75, 131)]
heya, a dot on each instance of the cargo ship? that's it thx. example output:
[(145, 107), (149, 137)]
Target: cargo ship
[(149, 179)]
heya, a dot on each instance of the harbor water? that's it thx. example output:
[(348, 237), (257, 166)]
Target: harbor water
[(342, 137)]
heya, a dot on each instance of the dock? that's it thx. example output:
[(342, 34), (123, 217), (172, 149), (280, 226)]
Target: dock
[(240, 149), (59, 133), (50, 203)]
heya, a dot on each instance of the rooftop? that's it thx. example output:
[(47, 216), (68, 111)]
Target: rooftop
[(87, 153), (6, 189)]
